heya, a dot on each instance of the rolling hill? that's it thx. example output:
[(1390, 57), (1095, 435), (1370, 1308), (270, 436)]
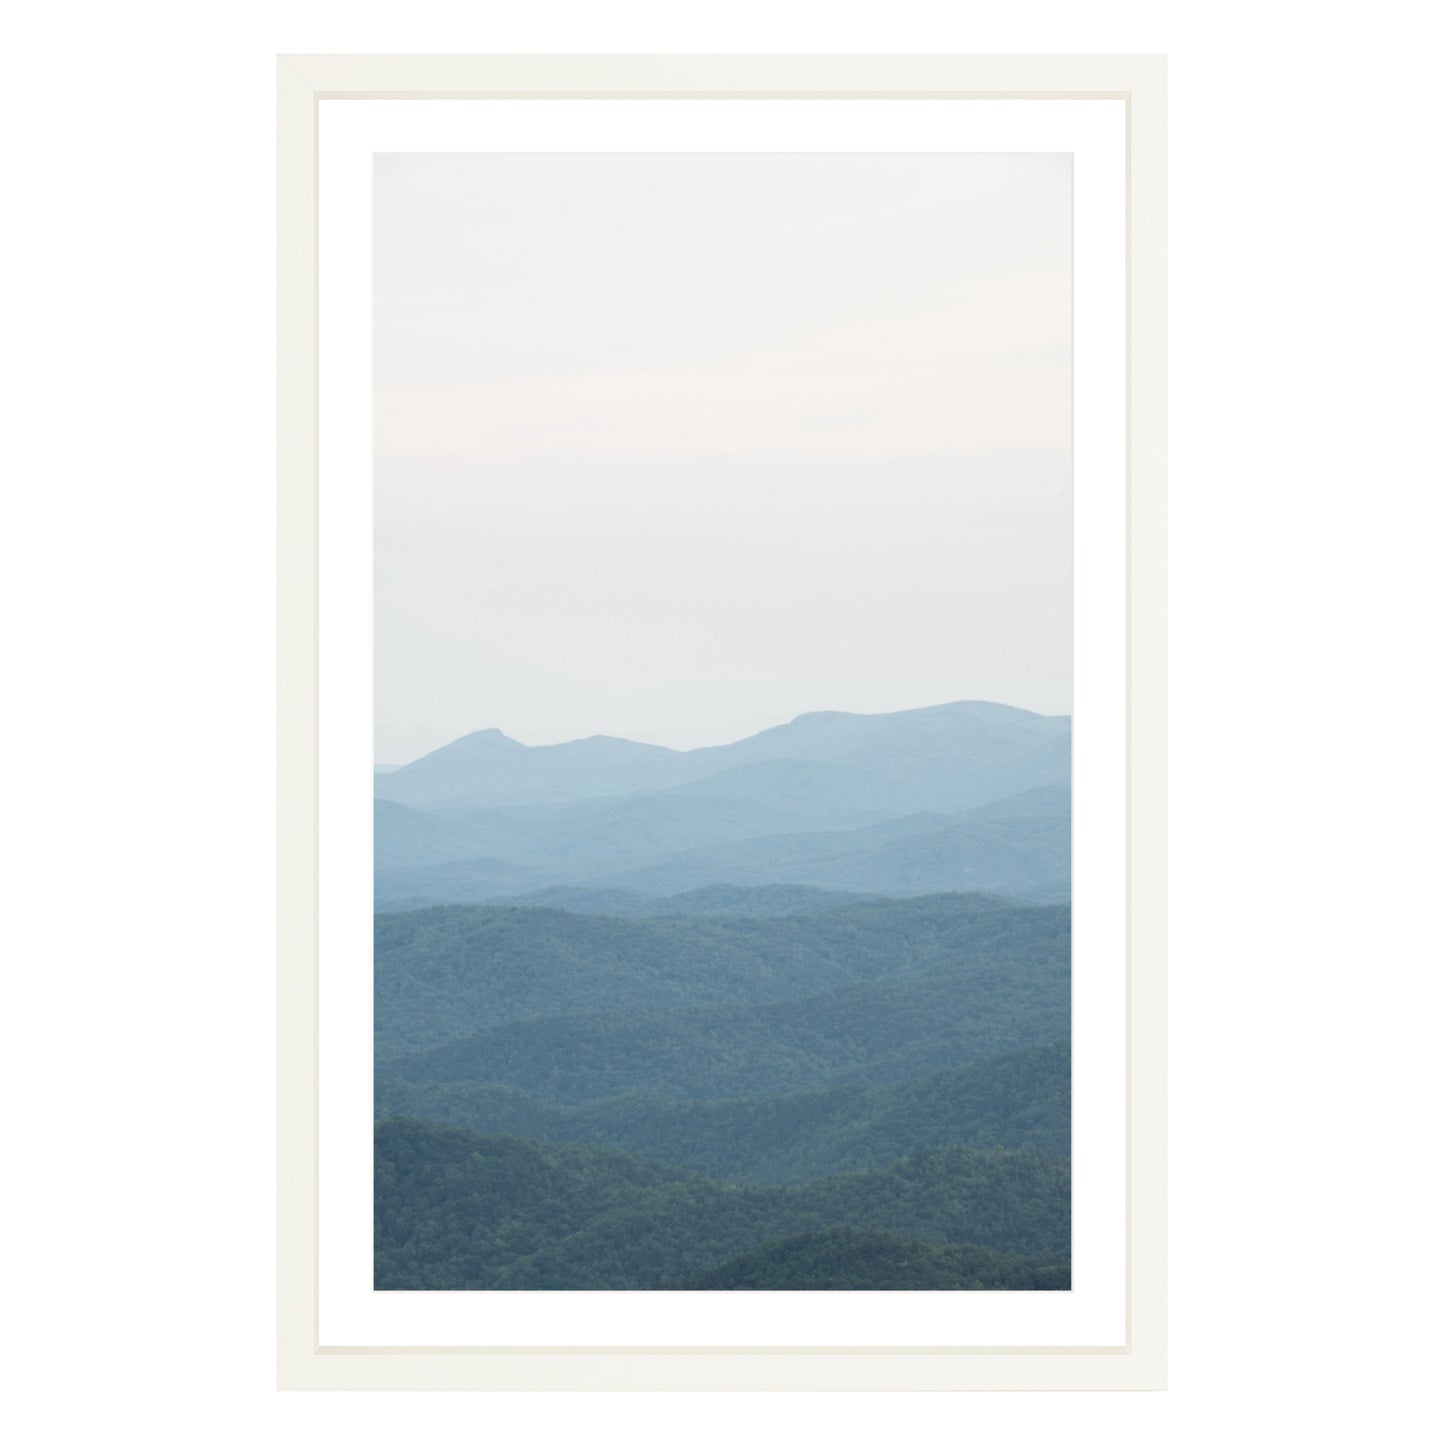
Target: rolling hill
[(667, 844), (721, 900), (846, 1258), (494, 984), (876, 1032), (456, 1209), (1018, 1100)]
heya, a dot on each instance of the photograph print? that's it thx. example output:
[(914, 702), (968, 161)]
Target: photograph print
[(723, 672)]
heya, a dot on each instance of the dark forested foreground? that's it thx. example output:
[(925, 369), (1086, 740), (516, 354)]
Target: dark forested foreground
[(866, 1094), (869, 1259), (461, 1210)]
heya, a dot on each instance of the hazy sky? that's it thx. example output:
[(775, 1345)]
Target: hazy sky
[(676, 447)]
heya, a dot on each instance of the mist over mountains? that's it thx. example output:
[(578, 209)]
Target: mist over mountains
[(965, 796)]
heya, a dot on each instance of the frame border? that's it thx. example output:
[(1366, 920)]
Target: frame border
[(302, 82)]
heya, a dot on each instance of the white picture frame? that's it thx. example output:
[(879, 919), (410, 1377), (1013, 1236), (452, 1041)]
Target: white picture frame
[(305, 1362)]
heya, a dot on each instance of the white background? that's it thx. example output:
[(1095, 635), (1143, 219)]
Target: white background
[(351, 1312), (1305, 473)]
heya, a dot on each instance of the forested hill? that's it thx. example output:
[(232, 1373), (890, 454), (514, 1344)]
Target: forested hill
[(1016, 1100), (461, 1210), (874, 1094), (443, 975), (876, 1032), (847, 1258)]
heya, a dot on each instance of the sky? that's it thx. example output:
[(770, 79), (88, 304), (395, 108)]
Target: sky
[(677, 447)]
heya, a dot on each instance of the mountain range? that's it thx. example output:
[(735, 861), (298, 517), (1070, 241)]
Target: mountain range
[(965, 796), (792, 1013)]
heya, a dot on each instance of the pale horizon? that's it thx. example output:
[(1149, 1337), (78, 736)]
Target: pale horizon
[(676, 448)]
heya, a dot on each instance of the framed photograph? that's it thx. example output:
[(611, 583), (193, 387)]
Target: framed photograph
[(722, 722)]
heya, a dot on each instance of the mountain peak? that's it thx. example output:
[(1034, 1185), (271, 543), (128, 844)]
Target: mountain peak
[(483, 740)]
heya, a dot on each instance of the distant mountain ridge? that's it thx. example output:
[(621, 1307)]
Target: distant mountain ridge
[(487, 768), (721, 900), (967, 795)]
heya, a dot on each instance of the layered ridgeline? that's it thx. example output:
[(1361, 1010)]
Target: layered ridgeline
[(968, 796), (449, 980), (735, 1018)]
